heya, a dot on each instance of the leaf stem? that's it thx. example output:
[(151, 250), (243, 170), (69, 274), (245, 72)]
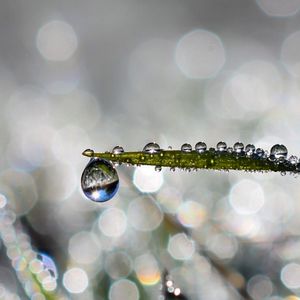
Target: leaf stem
[(209, 159)]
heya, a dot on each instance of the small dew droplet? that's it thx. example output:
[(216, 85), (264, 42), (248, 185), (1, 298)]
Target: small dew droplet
[(200, 147), (221, 146), (152, 148), (279, 152), (118, 150), (250, 149), (157, 168), (88, 152), (186, 148), (259, 152), (238, 147), (99, 180), (293, 159)]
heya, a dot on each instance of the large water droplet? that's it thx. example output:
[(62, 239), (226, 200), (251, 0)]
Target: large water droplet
[(221, 146), (250, 149), (238, 147), (118, 150), (99, 180), (279, 152), (186, 148), (152, 148), (200, 147)]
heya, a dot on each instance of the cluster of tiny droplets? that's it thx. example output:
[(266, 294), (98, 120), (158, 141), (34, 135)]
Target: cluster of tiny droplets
[(23, 258)]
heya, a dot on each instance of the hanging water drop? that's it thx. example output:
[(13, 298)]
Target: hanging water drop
[(221, 146), (186, 148), (238, 147), (250, 149), (157, 168), (279, 152), (200, 147), (152, 148), (99, 180), (118, 150)]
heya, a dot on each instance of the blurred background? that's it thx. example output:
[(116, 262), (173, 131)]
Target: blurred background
[(95, 74)]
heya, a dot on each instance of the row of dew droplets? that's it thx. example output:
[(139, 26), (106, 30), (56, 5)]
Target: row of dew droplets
[(100, 181)]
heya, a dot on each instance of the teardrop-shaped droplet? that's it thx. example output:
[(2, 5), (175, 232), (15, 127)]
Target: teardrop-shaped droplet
[(88, 152), (200, 147), (250, 149), (186, 148), (99, 180), (279, 152), (238, 147), (152, 148), (117, 150), (221, 146), (259, 152)]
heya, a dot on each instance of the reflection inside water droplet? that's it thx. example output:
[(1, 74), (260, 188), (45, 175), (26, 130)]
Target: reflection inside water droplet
[(99, 180)]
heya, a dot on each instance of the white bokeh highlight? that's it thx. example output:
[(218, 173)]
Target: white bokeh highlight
[(200, 54), (56, 41), (279, 8), (75, 280)]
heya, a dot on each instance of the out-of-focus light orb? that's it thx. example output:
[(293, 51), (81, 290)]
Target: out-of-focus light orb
[(75, 280), (112, 222), (290, 275), (123, 289), (36, 266), (147, 270), (147, 180), (223, 246), (247, 197), (3, 201), (118, 264), (37, 296), (56, 41), (181, 247), (290, 53), (200, 54), (255, 87), (279, 8), (191, 214), (169, 198), (67, 142), (260, 287), (20, 188), (144, 214), (84, 248)]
